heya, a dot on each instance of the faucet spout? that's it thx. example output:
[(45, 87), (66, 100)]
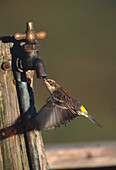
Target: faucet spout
[(40, 68)]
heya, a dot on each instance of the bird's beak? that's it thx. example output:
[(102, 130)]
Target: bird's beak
[(46, 82), (50, 88)]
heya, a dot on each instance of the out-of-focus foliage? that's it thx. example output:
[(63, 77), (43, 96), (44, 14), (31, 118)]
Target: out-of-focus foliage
[(80, 54)]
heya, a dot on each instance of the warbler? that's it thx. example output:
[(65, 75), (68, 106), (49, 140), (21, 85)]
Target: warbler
[(60, 108)]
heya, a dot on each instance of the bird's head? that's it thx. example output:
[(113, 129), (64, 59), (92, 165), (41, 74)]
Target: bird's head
[(51, 85)]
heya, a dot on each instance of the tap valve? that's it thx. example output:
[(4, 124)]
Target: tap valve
[(31, 59)]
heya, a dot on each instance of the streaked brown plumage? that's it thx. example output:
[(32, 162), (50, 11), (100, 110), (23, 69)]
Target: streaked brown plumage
[(61, 107)]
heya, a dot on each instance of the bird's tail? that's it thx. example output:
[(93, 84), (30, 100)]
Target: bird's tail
[(84, 113), (94, 121)]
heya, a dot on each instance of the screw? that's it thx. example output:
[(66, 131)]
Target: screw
[(5, 66)]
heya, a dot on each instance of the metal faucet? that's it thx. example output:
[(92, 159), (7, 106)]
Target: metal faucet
[(30, 59)]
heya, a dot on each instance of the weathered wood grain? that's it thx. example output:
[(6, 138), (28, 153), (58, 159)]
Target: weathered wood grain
[(13, 153), (82, 155)]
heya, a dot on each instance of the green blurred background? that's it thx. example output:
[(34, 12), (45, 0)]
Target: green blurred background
[(80, 54)]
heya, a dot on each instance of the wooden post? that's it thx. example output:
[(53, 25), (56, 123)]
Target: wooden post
[(13, 152)]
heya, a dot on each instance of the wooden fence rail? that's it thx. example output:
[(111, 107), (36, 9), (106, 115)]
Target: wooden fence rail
[(74, 156)]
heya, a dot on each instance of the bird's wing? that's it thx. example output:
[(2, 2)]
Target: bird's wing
[(64, 97), (52, 115)]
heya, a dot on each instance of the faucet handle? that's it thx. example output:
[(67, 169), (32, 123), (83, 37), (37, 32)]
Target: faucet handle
[(30, 35), (41, 35), (19, 36)]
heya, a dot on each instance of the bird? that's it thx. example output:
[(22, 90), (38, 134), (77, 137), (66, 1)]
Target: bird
[(60, 108)]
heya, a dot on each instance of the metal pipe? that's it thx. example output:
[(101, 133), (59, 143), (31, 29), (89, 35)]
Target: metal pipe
[(24, 104), (26, 58)]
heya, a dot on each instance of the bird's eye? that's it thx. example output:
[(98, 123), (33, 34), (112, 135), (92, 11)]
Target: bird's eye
[(51, 82)]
